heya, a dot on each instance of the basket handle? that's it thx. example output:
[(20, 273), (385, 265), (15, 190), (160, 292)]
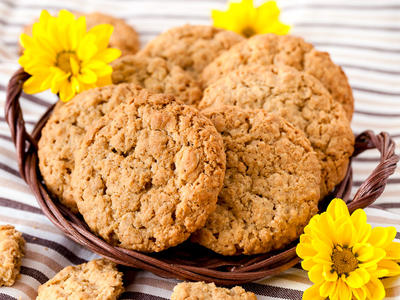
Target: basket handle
[(367, 193), (375, 184), (13, 114)]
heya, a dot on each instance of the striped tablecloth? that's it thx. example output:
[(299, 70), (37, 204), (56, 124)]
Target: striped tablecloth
[(362, 36)]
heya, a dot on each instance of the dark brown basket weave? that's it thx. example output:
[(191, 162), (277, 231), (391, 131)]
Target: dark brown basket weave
[(187, 261)]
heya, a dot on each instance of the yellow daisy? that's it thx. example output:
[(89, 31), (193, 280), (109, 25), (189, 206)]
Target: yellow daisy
[(345, 257), (247, 20), (62, 56)]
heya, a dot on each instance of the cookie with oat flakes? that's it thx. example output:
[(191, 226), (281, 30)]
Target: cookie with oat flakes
[(192, 47), (148, 174), (64, 131), (289, 50), (271, 185), (156, 75), (300, 99)]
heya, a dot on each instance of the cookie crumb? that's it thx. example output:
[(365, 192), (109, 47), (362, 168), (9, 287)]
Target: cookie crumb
[(97, 279), (12, 250), (204, 291)]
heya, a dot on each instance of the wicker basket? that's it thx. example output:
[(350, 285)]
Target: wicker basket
[(186, 261)]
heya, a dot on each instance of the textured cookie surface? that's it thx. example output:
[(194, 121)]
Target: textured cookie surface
[(289, 50), (300, 99), (124, 37), (204, 291), (63, 133), (97, 279), (192, 47), (156, 75), (149, 173), (11, 252), (271, 185)]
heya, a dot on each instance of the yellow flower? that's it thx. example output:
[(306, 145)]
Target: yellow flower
[(247, 20), (345, 257), (62, 56)]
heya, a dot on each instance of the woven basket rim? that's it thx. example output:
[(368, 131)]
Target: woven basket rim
[(186, 261)]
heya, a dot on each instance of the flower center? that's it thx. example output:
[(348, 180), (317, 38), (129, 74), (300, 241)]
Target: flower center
[(63, 60), (248, 32), (344, 261)]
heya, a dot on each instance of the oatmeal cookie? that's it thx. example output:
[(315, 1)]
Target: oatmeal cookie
[(148, 174), (204, 291), (124, 37), (270, 49), (271, 185), (156, 75), (192, 47), (63, 133), (12, 246), (97, 279), (300, 99)]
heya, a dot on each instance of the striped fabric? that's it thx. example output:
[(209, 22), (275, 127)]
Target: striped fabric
[(362, 36)]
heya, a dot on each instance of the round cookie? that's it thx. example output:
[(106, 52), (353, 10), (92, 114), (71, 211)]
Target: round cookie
[(97, 279), (124, 37), (63, 133), (192, 47), (156, 75), (271, 185), (300, 99), (148, 174), (290, 50)]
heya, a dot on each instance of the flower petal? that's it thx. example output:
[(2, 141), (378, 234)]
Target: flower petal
[(375, 289), (66, 92), (102, 33), (343, 291), (354, 280), (393, 251), (34, 84), (315, 274), (87, 76), (327, 288), (360, 294), (337, 209), (392, 268), (307, 264), (363, 229), (380, 236), (364, 252), (328, 274), (86, 48), (108, 55)]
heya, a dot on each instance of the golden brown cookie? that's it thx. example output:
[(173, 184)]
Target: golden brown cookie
[(12, 246), (192, 47), (204, 291), (63, 133), (271, 185), (290, 50), (156, 75), (124, 37), (97, 279), (300, 99), (148, 174)]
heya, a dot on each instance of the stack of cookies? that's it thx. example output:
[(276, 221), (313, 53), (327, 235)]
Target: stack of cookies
[(230, 142)]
